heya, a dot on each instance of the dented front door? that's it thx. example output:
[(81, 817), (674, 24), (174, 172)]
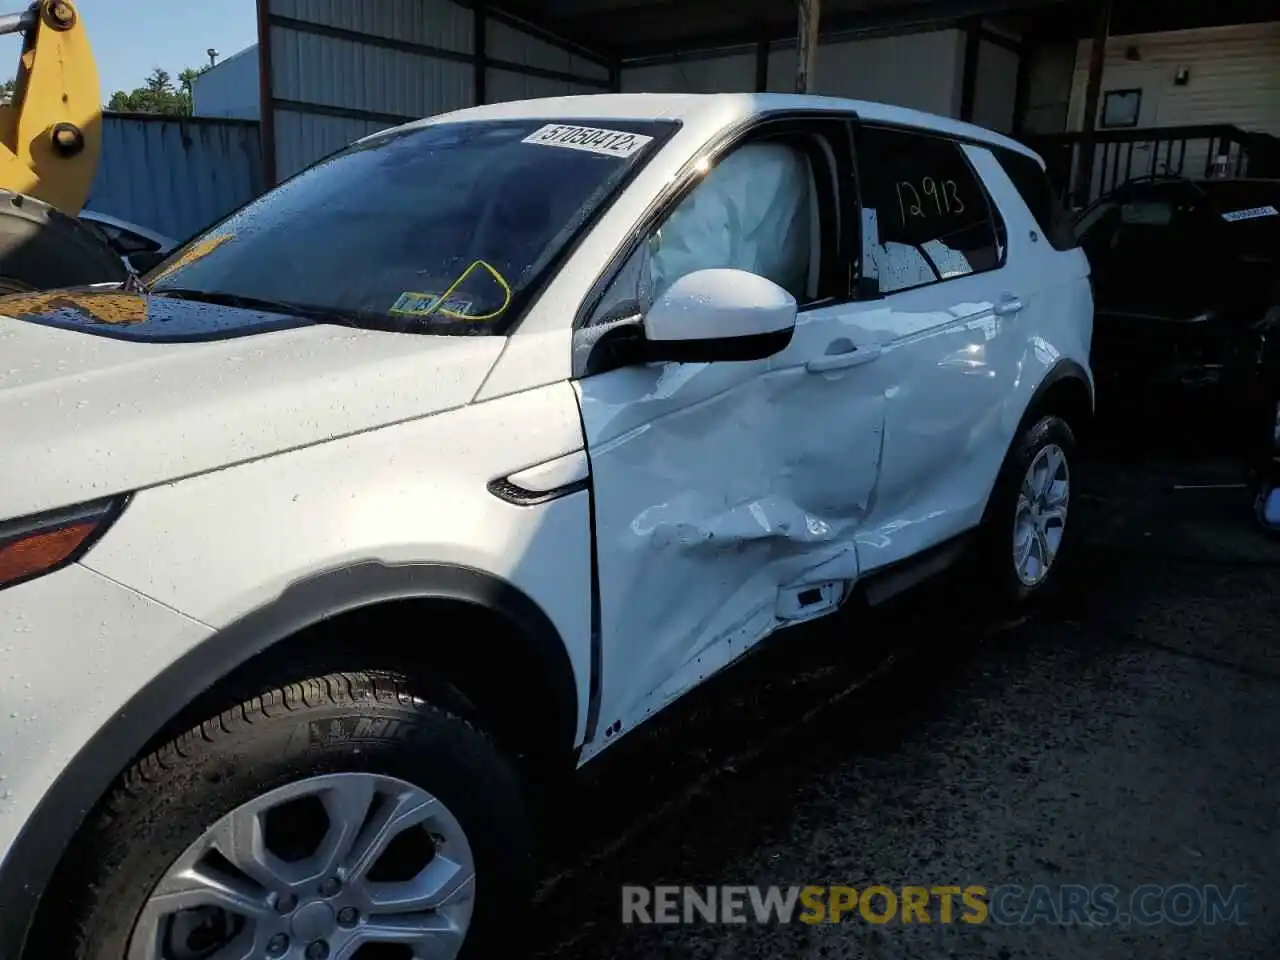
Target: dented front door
[(721, 492)]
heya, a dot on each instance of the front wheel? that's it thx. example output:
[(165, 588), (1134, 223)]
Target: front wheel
[(1028, 531), (341, 817)]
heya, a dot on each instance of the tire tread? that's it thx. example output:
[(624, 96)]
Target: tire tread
[(137, 796)]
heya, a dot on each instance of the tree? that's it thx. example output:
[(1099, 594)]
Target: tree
[(187, 78), (158, 94), (7, 89)]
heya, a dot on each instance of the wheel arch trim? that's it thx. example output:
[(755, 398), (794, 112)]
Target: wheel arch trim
[(36, 851), (1063, 370)]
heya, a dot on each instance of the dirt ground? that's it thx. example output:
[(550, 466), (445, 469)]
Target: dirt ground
[(1125, 736)]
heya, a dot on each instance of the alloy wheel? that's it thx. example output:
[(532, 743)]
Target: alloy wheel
[(347, 866), (1041, 515)]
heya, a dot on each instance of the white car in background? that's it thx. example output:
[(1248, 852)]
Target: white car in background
[(432, 473)]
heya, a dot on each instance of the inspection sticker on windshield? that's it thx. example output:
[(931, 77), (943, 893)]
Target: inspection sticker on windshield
[(424, 304), (609, 143), (1253, 213)]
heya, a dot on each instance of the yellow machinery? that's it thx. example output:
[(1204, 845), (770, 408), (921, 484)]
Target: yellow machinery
[(50, 143)]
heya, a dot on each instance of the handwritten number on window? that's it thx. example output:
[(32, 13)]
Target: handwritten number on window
[(916, 209), (945, 197), (952, 195)]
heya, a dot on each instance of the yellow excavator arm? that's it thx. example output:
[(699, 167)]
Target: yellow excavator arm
[(51, 134)]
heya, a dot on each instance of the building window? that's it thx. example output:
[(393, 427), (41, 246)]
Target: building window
[(1121, 108)]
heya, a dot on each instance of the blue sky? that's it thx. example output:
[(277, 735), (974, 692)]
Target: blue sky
[(132, 37)]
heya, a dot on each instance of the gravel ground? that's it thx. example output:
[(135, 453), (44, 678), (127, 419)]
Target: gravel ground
[(1124, 737)]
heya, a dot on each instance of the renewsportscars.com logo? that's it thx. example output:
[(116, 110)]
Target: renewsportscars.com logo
[(1067, 904)]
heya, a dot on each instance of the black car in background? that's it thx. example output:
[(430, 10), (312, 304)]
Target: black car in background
[(1187, 295)]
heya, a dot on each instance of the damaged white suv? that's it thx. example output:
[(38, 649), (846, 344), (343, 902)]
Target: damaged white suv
[(434, 471)]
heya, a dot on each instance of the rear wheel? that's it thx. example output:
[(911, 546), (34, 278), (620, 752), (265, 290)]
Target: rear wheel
[(1028, 533), (339, 817), (41, 249)]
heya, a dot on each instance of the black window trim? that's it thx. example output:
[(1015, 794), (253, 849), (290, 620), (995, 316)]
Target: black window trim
[(1060, 232), (999, 228)]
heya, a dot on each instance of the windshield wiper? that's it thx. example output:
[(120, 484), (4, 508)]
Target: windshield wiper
[(255, 303)]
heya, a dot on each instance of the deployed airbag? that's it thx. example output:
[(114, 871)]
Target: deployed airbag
[(751, 212)]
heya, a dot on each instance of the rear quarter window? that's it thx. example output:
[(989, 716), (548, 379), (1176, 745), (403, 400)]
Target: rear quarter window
[(1038, 194)]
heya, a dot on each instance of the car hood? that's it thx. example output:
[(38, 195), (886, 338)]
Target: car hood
[(84, 416)]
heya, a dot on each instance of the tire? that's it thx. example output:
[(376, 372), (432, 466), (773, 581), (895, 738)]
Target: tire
[(330, 727), (42, 249), (1000, 570)]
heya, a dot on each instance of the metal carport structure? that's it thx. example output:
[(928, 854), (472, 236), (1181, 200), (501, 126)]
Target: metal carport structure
[(335, 70)]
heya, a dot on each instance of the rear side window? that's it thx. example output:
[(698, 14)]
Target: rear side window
[(1037, 193), (925, 215)]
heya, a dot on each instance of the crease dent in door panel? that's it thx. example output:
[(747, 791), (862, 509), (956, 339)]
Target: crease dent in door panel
[(734, 484)]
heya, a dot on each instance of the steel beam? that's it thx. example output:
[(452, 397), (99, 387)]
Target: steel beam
[(810, 18)]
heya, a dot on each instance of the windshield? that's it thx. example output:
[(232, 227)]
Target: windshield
[(437, 229)]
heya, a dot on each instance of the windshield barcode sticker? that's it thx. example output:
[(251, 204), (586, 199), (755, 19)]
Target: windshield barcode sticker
[(609, 143), (1253, 213)]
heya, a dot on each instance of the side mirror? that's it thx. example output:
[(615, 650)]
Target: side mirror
[(719, 314)]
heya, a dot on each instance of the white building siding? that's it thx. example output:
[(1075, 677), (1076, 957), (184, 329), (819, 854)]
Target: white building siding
[(1234, 76), (920, 70), (231, 89)]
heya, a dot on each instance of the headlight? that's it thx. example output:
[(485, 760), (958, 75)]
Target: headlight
[(33, 546)]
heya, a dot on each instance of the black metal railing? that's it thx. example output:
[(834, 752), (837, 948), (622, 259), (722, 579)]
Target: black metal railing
[(1218, 150)]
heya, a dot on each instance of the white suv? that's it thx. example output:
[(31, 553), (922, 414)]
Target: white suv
[(433, 472)]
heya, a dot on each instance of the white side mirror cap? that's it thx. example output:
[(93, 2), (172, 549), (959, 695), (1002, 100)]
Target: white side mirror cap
[(720, 314)]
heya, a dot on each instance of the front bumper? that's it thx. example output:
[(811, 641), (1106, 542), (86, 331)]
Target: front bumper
[(77, 646)]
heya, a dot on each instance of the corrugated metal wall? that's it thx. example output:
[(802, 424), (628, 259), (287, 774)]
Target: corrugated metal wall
[(996, 87), (175, 175), (341, 69), (1234, 76), (1049, 74), (920, 70), (723, 73)]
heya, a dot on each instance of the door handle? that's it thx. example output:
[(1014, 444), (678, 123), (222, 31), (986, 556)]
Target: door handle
[(1007, 306), (855, 357)]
